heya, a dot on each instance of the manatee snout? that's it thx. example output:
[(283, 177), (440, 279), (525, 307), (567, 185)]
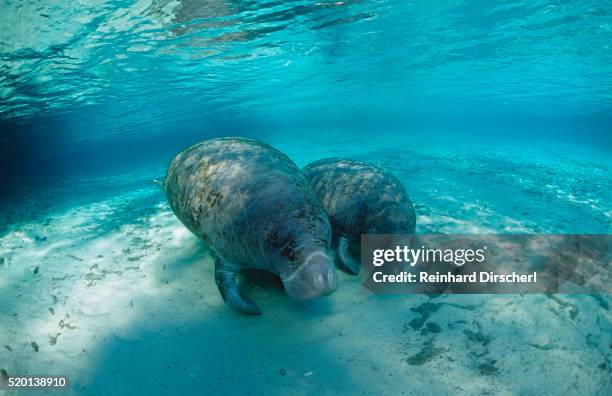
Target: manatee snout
[(316, 277)]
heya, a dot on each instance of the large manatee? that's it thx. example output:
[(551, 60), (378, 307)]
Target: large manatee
[(359, 198), (250, 204)]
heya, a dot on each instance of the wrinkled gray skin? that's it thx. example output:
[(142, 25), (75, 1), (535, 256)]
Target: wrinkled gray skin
[(359, 198), (250, 204)]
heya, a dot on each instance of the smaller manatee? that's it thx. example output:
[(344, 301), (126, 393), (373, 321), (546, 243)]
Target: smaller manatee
[(359, 198)]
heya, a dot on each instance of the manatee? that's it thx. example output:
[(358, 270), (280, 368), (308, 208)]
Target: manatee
[(253, 208), (359, 198)]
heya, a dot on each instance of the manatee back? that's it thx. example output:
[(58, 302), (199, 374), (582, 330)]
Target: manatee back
[(230, 191)]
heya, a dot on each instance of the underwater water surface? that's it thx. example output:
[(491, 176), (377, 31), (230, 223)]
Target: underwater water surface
[(494, 115)]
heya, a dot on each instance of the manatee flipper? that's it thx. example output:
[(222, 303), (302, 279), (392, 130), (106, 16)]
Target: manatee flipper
[(345, 259), (225, 278)]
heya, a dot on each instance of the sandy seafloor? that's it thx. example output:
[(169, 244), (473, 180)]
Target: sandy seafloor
[(100, 281)]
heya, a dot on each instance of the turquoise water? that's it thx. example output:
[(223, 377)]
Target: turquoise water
[(495, 117)]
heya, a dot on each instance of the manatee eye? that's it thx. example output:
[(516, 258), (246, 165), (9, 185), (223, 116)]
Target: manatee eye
[(284, 245), (288, 252)]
